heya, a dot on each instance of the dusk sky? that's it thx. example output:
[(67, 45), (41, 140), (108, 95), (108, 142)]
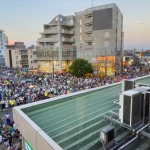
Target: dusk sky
[(23, 20)]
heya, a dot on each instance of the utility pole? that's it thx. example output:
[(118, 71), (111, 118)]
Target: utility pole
[(97, 64), (52, 64), (105, 61)]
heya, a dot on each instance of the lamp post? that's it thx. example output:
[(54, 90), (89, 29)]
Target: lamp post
[(97, 64)]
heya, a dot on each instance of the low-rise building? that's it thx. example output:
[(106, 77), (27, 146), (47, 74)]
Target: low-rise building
[(18, 56)]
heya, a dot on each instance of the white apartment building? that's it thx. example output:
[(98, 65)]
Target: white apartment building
[(3, 43)]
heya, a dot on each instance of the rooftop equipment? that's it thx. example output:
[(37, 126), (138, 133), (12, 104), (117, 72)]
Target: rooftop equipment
[(131, 103), (128, 85), (107, 134)]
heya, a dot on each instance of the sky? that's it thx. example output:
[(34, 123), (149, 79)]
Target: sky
[(22, 20)]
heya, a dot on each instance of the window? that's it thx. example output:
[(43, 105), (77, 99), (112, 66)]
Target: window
[(106, 34), (106, 44), (31, 62), (88, 53), (80, 21), (80, 37), (79, 54), (31, 56), (81, 30), (0, 51)]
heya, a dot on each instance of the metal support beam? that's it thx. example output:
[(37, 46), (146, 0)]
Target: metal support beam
[(114, 113), (118, 122), (145, 134)]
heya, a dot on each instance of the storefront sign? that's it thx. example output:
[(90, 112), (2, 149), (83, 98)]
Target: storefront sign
[(27, 146)]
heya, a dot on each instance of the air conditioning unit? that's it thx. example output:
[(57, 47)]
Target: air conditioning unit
[(107, 134), (128, 85), (131, 103), (142, 84)]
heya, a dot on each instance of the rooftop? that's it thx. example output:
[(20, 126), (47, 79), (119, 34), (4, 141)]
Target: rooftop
[(74, 121)]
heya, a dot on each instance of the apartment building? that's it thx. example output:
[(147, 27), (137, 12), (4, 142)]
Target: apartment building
[(56, 47), (95, 33), (18, 56), (99, 34), (3, 43)]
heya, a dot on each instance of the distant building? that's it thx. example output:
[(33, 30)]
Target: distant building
[(18, 56), (3, 43)]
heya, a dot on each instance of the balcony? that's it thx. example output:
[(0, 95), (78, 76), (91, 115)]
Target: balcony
[(24, 58), (68, 23), (88, 13), (88, 38), (47, 58), (88, 20), (67, 32), (68, 57), (67, 39), (88, 46), (23, 53), (88, 29), (24, 62), (48, 40), (53, 31)]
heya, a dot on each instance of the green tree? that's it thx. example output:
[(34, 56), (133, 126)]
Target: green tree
[(80, 67)]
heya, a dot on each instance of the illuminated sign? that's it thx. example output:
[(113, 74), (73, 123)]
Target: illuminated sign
[(27, 146)]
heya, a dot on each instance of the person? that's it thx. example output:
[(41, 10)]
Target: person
[(12, 102), (7, 116), (1, 139), (5, 129), (18, 146), (3, 104), (6, 103), (10, 130), (1, 123), (14, 126)]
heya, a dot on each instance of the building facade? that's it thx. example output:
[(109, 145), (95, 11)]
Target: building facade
[(56, 48), (18, 56), (99, 34), (3, 43), (93, 33)]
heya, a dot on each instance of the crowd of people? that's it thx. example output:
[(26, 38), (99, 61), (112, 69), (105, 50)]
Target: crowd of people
[(22, 91), (51, 85), (10, 135)]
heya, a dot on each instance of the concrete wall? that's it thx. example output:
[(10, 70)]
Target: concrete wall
[(32, 133)]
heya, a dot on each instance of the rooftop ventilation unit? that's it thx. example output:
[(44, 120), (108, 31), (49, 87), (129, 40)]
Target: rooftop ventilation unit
[(142, 84), (107, 134), (128, 85), (131, 103)]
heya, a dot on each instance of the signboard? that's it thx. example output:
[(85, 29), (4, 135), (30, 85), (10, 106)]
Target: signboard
[(27, 146), (94, 60)]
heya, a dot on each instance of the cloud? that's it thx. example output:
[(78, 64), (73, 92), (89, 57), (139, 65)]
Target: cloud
[(140, 23)]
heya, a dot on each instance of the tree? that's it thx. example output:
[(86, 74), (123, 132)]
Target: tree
[(80, 67)]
